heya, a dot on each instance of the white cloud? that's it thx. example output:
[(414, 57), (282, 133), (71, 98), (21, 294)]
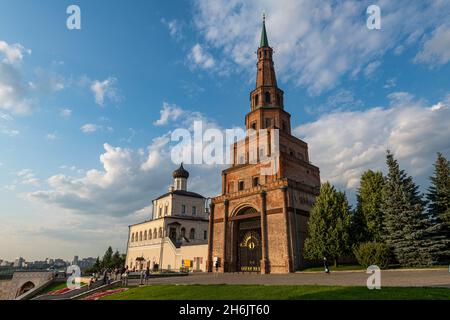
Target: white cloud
[(168, 113), (65, 113), (174, 27), (13, 52), (200, 57), (90, 128), (47, 81), (436, 50), (316, 43), (13, 91), (51, 136), (338, 101), (371, 68), (26, 177), (344, 144), (390, 83), (106, 89), (9, 132), (121, 188)]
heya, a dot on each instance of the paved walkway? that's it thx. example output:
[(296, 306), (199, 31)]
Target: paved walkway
[(389, 278)]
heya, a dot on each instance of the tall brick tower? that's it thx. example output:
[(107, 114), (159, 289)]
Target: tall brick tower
[(259, 222)]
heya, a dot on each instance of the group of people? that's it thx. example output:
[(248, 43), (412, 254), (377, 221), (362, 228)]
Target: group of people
[(109, 275)]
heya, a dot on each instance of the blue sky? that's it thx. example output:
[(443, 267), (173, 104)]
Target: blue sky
[(85, 114)]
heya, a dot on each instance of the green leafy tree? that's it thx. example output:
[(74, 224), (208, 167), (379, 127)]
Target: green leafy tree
[(368, 219), (372, 253), (329, 226), (405, 225)]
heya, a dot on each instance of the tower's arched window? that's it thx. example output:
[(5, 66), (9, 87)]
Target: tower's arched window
[(145, 235), (132, 237), (256, 99), (278, 99), (183, 232), (140, 236), (155, 234), (150, 234), (267, 97), (160, 233)]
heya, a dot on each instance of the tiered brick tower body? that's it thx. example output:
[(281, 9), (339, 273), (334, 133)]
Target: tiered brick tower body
[(259, 222)]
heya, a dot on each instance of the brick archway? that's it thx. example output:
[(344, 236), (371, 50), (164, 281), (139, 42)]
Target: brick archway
[(245, 225)]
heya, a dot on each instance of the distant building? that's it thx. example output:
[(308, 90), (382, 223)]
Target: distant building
[(19, 262), (5, 263), (86, 263), (177, 235), (59, 263)]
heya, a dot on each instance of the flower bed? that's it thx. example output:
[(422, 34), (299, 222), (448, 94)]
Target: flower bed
[(60, 291), (101, 294)]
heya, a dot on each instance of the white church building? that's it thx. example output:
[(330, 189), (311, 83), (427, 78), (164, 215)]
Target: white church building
[(176, 236)]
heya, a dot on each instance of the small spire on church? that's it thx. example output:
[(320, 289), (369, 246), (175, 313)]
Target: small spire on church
[(264, 41)]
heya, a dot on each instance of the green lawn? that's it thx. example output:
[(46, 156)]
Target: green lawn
[(256, 292)]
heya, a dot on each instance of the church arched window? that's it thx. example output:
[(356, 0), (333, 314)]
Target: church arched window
[(267, 97), (150, 234), (192, 234), (145, 235), (183, 232), (256, 99), (155, 234), (132, 237), (140, 236), (160, 233)]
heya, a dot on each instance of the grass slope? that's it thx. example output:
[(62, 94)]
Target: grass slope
[(256, 292)]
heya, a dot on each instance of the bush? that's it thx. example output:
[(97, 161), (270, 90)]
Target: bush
[(373, 253)]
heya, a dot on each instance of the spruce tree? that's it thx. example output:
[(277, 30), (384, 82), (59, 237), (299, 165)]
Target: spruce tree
[(329, 226), (107, 258), (368, 209), (438, 237), (405, 225), (439, 191)]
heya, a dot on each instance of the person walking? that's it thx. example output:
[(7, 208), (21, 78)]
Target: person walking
[(125, 278), (326, 265), (142, 277), (147, 275), (105, 276), (216, 266)]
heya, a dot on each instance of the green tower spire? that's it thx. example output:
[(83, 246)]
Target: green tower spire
[(264, 41)]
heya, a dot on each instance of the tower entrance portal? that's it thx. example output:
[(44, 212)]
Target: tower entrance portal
[(249, 250)]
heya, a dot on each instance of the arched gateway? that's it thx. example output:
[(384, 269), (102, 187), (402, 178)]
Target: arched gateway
[(247, 244)]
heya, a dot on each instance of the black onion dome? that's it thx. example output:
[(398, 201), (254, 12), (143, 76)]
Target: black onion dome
[(180, 173)]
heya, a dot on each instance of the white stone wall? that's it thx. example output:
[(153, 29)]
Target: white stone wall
[(167, 256)]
